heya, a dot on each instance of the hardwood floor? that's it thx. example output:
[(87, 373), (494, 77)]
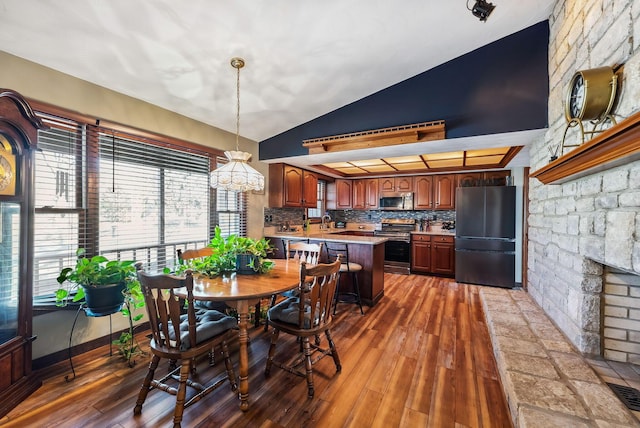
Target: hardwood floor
[(420, 358)]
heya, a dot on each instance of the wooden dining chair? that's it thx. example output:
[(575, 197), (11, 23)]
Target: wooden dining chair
[(299, 251), (307, 315), (182, 337)]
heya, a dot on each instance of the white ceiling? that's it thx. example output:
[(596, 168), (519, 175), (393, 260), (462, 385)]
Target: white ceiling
[(303, 59)]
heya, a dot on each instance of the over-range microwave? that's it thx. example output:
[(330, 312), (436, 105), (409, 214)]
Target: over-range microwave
[(396, 201)]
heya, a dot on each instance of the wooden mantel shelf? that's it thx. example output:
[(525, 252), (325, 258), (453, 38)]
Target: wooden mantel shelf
[(616, 146), (414, 133)]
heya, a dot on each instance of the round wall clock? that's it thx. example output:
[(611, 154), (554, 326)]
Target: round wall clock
[(591, 94)]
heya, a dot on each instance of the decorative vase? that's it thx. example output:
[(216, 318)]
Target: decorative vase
[(245, 263), (105, 299)]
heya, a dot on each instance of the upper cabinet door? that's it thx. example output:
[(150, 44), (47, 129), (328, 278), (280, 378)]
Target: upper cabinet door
[(309, 189), (387, 184), (404, 184), (469, 179), (444, 191), (343, 194), (292, 186), (371, 193), (423, 192), (359, 194)]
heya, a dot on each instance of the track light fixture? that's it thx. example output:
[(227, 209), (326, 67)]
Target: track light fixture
[(481, 9)]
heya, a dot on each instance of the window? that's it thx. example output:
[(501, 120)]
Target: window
[(319, 210), (123, 196)]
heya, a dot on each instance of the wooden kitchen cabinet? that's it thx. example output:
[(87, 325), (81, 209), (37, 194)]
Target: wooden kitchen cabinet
[(469, 179), (365, 194), (496, 178), (487, 178), (423, 192), (433, 254), (444, 192), (344, 194), (396, 184), (359, 195), (442, 255), (371, 193), (434, 192), (292, 187), (421, 253)]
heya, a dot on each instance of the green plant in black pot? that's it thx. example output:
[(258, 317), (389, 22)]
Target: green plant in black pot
[(251, 254), (232, 254), (104, 286)]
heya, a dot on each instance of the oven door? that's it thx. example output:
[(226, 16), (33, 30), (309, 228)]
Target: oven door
[(397, 256)]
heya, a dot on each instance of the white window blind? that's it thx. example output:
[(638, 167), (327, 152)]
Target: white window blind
[(151, 201), (59, 215)]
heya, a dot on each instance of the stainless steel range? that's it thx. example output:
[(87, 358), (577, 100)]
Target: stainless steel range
[(397, 250)]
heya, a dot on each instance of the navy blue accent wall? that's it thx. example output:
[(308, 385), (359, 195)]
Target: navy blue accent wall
[(500, 87)]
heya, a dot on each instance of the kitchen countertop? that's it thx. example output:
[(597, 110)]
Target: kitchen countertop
[(435, 232)]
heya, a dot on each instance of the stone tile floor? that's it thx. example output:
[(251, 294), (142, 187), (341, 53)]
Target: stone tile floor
[(546, 381)]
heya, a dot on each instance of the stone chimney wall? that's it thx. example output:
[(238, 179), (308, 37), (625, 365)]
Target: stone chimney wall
[(576, 227)]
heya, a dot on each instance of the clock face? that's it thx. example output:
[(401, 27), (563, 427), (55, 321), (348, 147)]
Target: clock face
[(7, 174), (577, 97)]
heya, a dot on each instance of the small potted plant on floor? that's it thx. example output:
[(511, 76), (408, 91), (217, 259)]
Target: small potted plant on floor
[(104, 287)]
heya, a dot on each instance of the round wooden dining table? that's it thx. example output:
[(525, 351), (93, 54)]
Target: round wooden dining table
[(241, 292)]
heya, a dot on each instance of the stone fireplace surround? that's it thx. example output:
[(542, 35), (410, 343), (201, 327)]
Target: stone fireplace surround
[(592, 201)]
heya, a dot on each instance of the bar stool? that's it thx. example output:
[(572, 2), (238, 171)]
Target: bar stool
[(347, 267)]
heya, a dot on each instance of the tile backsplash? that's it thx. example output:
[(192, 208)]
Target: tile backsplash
[(278, 216)]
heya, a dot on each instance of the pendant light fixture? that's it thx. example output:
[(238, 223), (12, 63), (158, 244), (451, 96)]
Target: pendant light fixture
[(236, 175)]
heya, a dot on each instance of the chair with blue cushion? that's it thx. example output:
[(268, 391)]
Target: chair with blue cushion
[(182, 337), (307, 315)]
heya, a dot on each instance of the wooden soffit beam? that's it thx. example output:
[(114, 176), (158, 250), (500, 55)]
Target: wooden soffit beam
[(415, 133)]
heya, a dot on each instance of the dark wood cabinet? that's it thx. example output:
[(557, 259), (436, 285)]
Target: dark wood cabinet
[(442, 255), (444, 192), (433, 254), (371, 194), (18, 137), (344, 194), (434, 192), (358, 202), (365, 194), (421, 253), (469, 179), (496, 178), (487, 178), (292, 187), (396, 184), (423, 192)]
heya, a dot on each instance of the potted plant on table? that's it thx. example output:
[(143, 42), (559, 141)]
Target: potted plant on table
[(234, 253), (104, 287)]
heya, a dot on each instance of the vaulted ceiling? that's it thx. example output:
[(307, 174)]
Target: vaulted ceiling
[(304, 59)]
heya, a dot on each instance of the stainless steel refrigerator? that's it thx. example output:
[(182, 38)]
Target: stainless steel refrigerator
[(485, 235)]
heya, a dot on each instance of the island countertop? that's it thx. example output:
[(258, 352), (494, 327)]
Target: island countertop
[(329, 236)]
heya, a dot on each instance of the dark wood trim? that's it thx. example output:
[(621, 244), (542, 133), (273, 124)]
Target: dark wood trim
[(525, 228), (123, 130), (616, 146)]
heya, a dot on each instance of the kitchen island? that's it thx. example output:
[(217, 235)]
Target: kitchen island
[(367, 251)]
